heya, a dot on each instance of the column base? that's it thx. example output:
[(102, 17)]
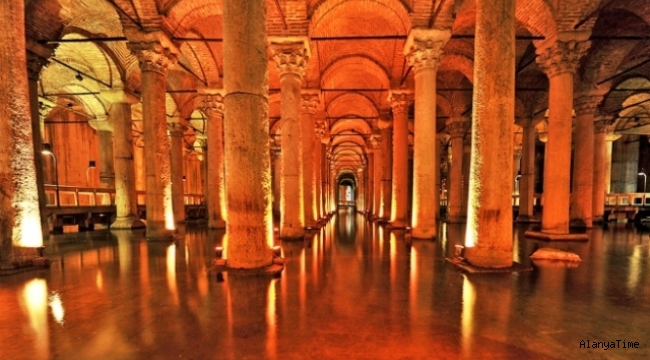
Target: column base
[(556, 237), (219, 266), (428, 233), (217, 224), (292, 233), (463, 265), (396, 225), (127, 223), (25, 259)]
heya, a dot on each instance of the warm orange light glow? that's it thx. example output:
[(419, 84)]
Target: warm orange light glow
[(171, 272), (271, 320), (224, 245), (34, 301), (393, 256), (29, 233), (169, 208), (57, 307), (467, 317), (99, 280)]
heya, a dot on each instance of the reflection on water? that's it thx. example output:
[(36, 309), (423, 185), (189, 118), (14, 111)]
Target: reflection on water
[(350, 290)]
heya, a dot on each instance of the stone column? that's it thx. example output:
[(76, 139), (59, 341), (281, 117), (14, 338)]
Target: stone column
[(400, 101), (106, 164), (309, 105), (319, 130), (291, 57), (467, 155), (610, 137), (423, 50), (154, 60), (386, 137), (559, 58), (35, 63), (277, 170), (440, 141), (527, 180), (20, 220), (583, 163), (600, 164), (249, 225), (176, 132), (457, 127), (126, 201), (212, 106), (488, 237), (375, 143)]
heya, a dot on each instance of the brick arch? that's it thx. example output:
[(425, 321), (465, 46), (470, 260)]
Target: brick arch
[(358, 126), (458, 62), (347, 103), (355, 72), (92, 105), (615, 100), (394, 10), (535, 15)]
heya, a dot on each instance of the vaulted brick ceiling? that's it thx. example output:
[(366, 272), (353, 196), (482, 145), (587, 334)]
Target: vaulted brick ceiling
[(354, 74)]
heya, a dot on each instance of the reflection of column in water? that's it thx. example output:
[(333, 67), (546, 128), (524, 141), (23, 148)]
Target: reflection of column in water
[(467, 317), (125, 250), (34, 303), (249, 303), (171, 272), (271, 321)]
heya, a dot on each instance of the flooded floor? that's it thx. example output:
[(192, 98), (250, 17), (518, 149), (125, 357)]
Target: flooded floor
[(351, 291)]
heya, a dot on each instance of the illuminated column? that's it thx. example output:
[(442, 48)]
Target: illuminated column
[(119, 115), (360, 193), (309, 104), (583, 164), (610, 137), (291, 58), (249, 225), (154, 60), (400, 101), (559, 59), (319, 130), (488, 238), (104, 130), (527, 179), (600, 156), (35, 62), (423, 50), (203, 143), (457, 128), (212, 106), (467, 155), (370, 182), (375, 143), (386, 138), (176, 131), (277, 170), (440, 141), (20, 220)]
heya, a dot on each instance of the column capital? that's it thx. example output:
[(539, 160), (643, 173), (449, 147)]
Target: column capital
[(309, 101), (118, 96), (152, 56), (457, 127), (176, 129), (586, 104), (212, 104), (35, 64), (562, 53), (291, 54), (320, 129), (275, 147), (400, 100), (423, 47), (374, 141)]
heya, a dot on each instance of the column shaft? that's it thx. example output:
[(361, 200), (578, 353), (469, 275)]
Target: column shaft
[(600, 156), (308, 105), (378, 155), (125, 196), (212, 105), (106, 157), (457, 128), (583, 164), (399, 203), (489, 218), (277, 171), (387, 172), (527, 180), (246, 132), (177, 171)]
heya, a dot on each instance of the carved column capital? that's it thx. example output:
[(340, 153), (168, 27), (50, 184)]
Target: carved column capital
[(400, 100), (309, 101), (152, 56), (374, 141), (291, 55), (423, 48), (586, 104), (35, 64), (320, 129), (563, 55), (457, 127), (212, 105), (176, 129)]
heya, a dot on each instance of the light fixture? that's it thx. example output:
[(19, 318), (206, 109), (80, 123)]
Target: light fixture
[(79, 77), (218, 252), (645, 182), (184, 178), (47, 150)]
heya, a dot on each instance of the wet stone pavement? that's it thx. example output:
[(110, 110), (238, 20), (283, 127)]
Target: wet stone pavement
[(351, 291)]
